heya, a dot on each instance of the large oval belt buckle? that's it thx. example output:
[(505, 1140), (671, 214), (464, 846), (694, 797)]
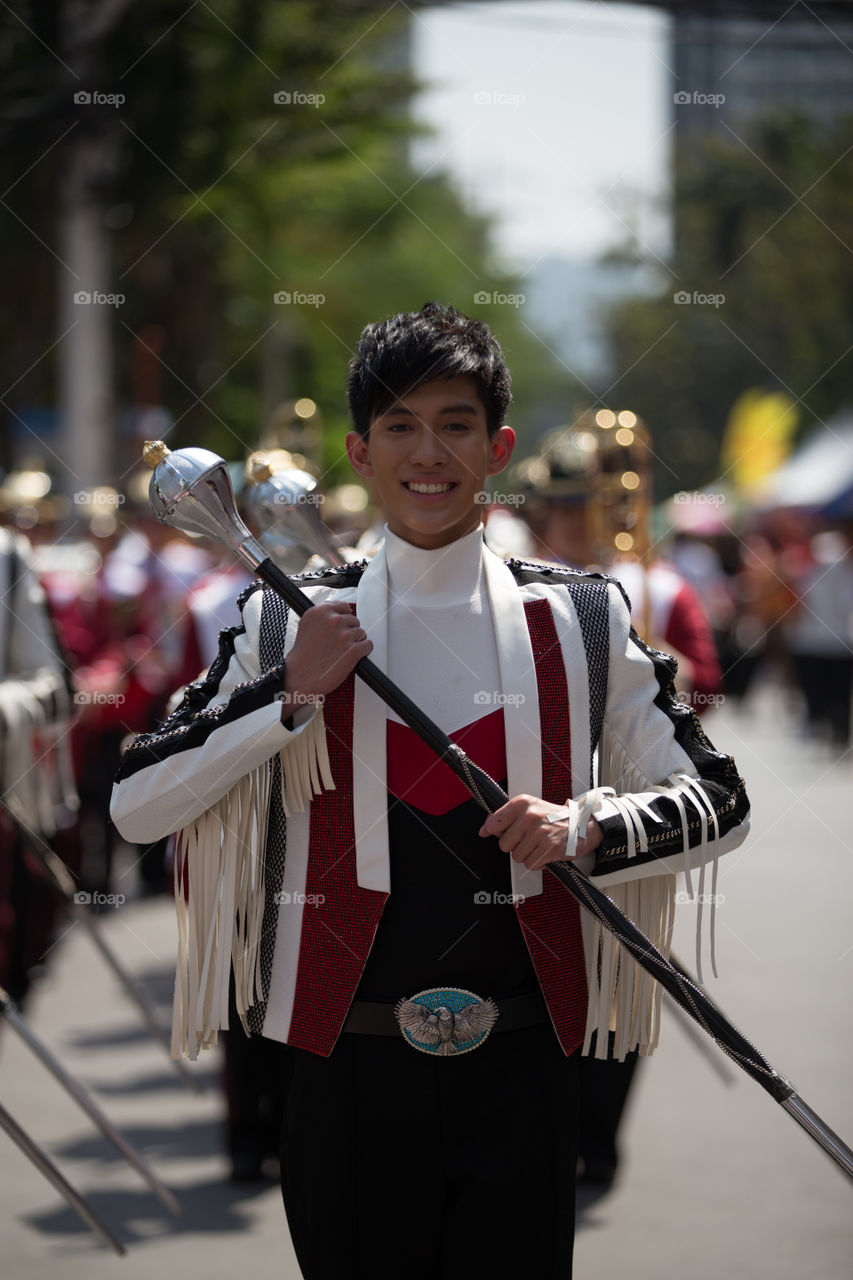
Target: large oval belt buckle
[(446, 1020)]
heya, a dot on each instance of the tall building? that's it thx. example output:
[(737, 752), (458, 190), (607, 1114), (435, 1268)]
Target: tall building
[(734, 61)]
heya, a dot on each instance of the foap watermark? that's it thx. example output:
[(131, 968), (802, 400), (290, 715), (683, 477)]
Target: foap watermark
[(285, 899), (695, 698), (695, 498), (482, 698), (301, 500), (95, 98), (98, 698), (700, 899), (698, 99), (683, 298), (500, 499), (285, 299), (301, 699), (486, 298), (98, 899), (296, 98), (98, 498), (483, 898), (497, 98), (93, 298)]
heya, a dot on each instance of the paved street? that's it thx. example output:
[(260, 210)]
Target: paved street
[(717, 1179)]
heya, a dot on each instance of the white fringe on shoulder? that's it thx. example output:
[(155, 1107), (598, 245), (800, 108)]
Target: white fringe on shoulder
[(623, 997), (219, 891)]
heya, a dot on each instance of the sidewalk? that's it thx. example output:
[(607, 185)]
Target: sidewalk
[(717, 1180)]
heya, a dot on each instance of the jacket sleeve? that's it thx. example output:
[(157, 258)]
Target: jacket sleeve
[(36, 771), (676, 801), (227, 725)]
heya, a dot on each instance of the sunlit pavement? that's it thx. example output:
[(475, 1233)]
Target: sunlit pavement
[(716, 1179)]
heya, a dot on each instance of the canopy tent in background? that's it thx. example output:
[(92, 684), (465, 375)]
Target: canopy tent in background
[(818, 477)]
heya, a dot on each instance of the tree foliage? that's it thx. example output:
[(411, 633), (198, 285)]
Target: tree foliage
[(764, 226), (216, 197)]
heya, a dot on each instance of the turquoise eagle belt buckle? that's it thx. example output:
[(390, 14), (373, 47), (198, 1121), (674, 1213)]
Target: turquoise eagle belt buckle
[(446, 1021)]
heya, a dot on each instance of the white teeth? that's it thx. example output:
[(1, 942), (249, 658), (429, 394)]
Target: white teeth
[(421, 487)]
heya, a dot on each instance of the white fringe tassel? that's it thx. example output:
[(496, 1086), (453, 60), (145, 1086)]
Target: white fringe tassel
[(219, 891), (623, 997)]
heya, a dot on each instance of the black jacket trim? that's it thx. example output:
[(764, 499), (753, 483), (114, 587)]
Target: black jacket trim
[(718, 777)]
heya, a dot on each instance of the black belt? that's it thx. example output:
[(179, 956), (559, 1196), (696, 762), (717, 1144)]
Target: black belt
[(369, 1018)]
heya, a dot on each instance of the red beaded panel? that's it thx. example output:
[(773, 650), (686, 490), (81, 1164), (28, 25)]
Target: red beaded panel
[(551, 920), (339, 918)]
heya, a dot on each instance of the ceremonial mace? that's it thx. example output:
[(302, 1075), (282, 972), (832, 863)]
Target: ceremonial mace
[(61, 879), (45, 1165), (190, 490), (284, 505), (85, 1100)]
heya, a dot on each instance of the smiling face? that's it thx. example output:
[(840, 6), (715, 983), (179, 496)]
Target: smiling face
[(428, 456)]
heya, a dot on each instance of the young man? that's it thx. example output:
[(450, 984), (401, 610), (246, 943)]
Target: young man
[(390, 889)]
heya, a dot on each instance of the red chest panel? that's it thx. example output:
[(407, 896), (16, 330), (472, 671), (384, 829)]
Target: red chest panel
[(416, 775)]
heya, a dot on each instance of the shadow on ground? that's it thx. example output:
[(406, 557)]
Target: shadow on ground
[(136, 1218)]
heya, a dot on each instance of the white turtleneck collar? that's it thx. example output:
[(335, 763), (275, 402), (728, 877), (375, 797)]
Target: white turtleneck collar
[(422, 578)]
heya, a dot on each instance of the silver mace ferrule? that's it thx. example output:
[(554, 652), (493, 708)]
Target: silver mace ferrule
[(284, 506), (191, 491)]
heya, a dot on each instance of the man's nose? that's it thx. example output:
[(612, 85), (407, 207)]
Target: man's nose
[(429, 448)]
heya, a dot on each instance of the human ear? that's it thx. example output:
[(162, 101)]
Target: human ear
[(358, 453), (502, 445)]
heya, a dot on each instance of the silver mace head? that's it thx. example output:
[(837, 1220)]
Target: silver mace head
[(284, 506), (191, 491)]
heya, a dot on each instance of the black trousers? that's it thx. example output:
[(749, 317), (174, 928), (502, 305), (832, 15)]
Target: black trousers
[(604, 1088), (396, 1163)]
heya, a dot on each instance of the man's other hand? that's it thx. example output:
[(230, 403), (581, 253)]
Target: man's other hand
[(523, 829)]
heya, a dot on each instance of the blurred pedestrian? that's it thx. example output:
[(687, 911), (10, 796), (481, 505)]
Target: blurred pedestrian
[(569, 489), (819, 635)]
